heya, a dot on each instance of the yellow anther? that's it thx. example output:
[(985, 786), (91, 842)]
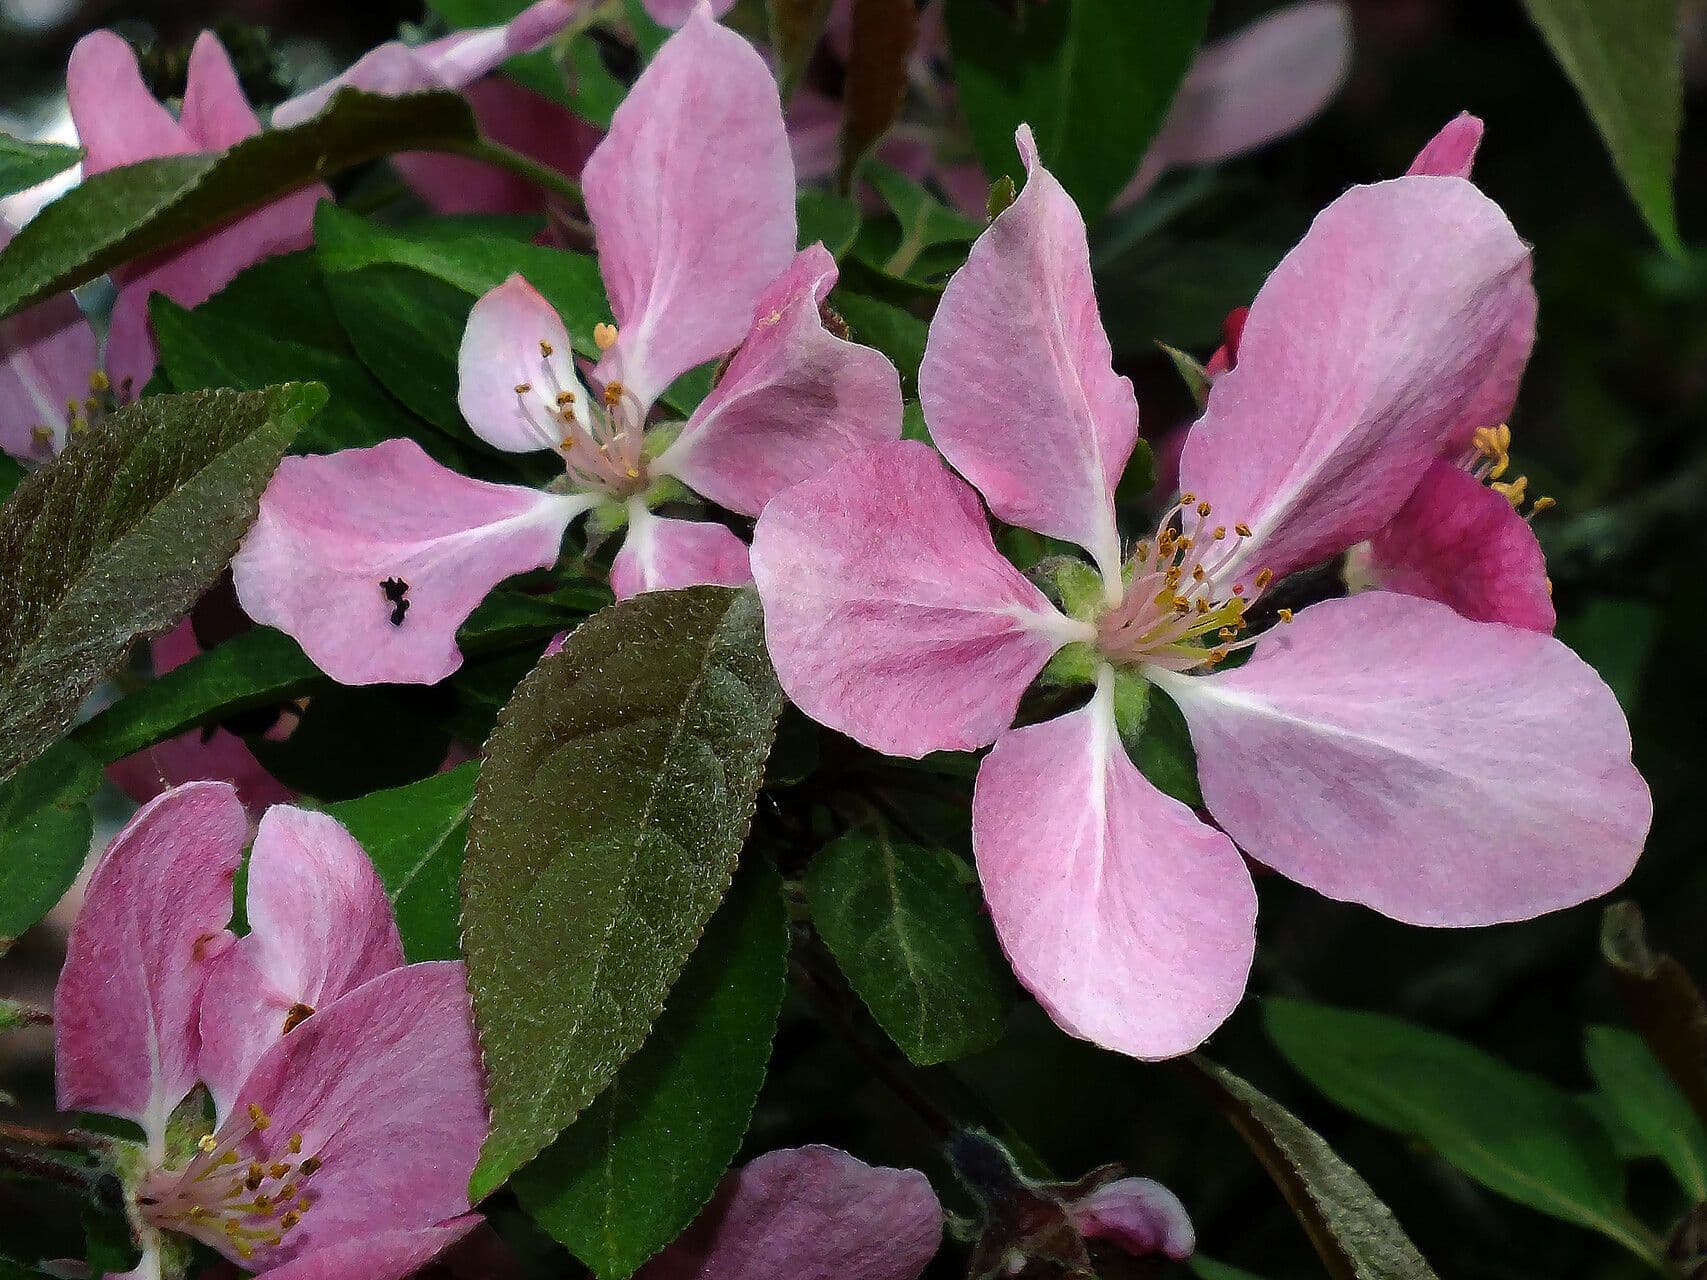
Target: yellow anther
[(565, 399), (206, 1142), (1514, 491), (522, 388), (613, 394), (1186, 499), (1243, 530), (99, 383), (545, 348), (633, 474), (1285, 614), (296, 1016), (278, 1170), (1220, 533), (257, 1176), (1198, 575), (1203, 508), (309, 1166), (42, 435), (1542, 504), (1264, 577), (295, 1144), (287, 1191), (260, 1119), (290, 1220), (305, 1204), (604, 336)]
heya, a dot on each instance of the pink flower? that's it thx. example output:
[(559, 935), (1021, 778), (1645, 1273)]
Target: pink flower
[(691, 197), (119, 122), (1138, 1215), (1380, 749), (48, 368), (809, 1213), (347, 1086)]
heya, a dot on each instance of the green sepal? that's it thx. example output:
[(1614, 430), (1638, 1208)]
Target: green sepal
[(1079, 588), (1073, 665)]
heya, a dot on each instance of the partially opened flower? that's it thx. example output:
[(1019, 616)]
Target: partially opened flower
[(1381, 749), (119, 123), (691, 198), (809, 1213), (49, 368), (346, 1084)]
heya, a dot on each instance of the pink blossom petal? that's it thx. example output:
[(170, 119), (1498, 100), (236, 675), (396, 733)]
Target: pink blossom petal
[(661, 555), (890, 615), (793, 400), (1383, 750), (216, 112), (809, 1213), (387, 1255), (46, 356), (153, 921), (384, 1085), (1131, 921), (516, 118), (1451, 153), (1461, 543), (1397, 326), (673, 13), (691, 196), (1018, 384), (1259, 84), (319, 926), (514, 365), (334, 530), (118, 120), (1140, 1215), (451, 62)]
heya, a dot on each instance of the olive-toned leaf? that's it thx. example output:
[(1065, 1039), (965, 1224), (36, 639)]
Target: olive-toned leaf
[(616, 794), (25, 164), (118, 538), (881, 36), (904, 925), (828, 219), (1355, 1234), (1649, 1104), (127, 212), (629, 1175), (796, 28), (44, 835), (1664, 1002)]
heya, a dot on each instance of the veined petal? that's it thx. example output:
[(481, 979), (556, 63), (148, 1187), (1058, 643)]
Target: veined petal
[(319, 926), (794, 399), (153, 921), (1140, 1215), (47, 354), (216, 112), (809, 1213), (514, 369), (1018, 383), (1131, 921), (672, 13), (118, 120), (345, 541), (1451, 153), (1259, 84), (384, 1087), (1383, 750), (387, 1255), (660, 554), (691, 196), (1396, 327), (1461, 543), (890, 615)]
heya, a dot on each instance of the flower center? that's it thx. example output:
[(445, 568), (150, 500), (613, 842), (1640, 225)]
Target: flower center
[(1175, 613), (234, 1200), (1489, 459), (602, 439)]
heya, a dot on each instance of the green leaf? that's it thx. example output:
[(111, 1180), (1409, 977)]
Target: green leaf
[(416, 835), (127, 212), (1093, 78), (407, 328), (827, 218), (476, 13), (1649, 1103), (12, 474), (928, 240), (1518, 1135), (1156, 738), (881, 36), (1625, 58), (904, 926), (1664, 1002), (641, 1162), (898, 334), (24, 164), (119, 536), (1209, 1269), (1353, 1232), (616, 794), (44, 835)]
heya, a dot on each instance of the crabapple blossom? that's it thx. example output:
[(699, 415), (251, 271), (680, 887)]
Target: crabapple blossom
[(49, 366)]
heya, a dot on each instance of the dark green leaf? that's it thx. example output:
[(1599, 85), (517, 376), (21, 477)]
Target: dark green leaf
[(44, 835), (24, 164), (1163, 751), (831, 219), (1664, 1002), (256, 668), (1515, 1133), (131, 211), (881, 35), (1208, 1269), (905, 928), (1355, 1234), (639, 1164), (416, 835), (616, 794), (407, 327), (1625, 58), (1649, 1103), (927, 240), (796, 28), (1615, 636), (1093, 78), (350, 741), (11, 475), (898, 334), (476, 13), (118, 537)]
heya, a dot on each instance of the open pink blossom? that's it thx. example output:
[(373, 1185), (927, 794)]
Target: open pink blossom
[(349, 1109), (119, 122), (49, 365), (809, 1213), (1381, 749), (696, 243)]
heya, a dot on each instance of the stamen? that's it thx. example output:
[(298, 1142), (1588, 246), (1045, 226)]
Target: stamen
[(604, 336)]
